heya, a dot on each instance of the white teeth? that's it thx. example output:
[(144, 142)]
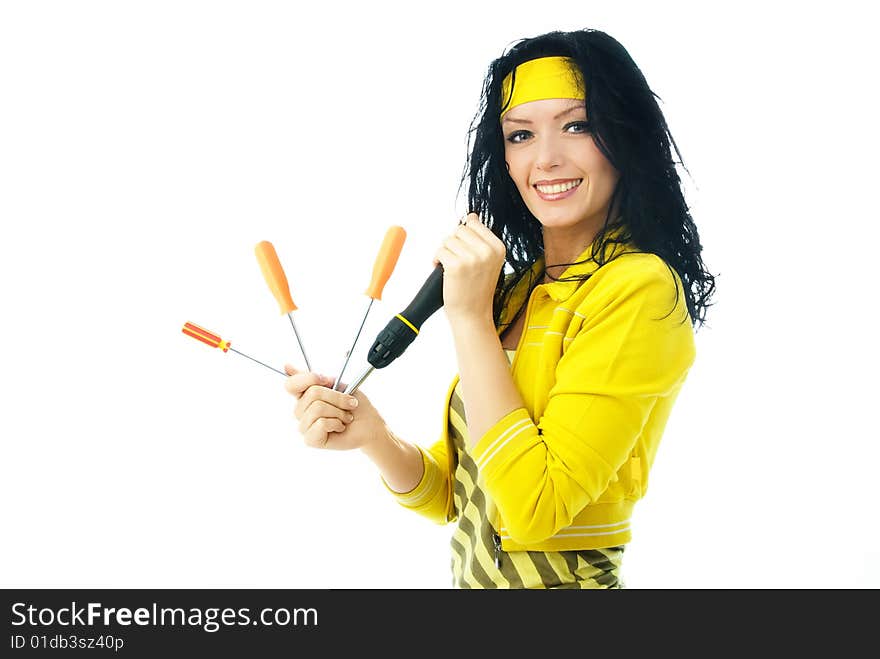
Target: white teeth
[(559, 187)]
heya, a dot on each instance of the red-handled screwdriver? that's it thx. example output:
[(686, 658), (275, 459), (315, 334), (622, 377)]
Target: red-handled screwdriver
[(211, 339)]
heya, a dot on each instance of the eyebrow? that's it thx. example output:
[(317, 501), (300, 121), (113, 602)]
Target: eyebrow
[(528, 121)]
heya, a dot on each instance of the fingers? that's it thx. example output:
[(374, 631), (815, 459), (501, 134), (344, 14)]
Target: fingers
[(318, 433), (475, 231), (299, 381), (321, 411), (471, 243), (321, 394)]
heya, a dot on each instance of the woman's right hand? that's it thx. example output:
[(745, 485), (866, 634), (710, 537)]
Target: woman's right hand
[(332, 419)]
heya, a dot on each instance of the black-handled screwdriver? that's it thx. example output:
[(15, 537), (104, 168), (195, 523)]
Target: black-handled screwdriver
[(401, 330)]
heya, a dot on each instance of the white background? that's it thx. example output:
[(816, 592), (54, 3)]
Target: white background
[(146, 147)]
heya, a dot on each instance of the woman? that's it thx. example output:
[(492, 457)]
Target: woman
[(572, 289)]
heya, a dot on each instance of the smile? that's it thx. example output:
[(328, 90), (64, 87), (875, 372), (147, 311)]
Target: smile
[(557, 190)]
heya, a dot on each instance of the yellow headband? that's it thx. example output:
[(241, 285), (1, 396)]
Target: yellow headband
[(538, 79)]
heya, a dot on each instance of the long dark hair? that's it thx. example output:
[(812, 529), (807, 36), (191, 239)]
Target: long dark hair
[(629, 129)]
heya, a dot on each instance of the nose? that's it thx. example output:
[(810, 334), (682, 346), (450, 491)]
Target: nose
[(549, 155)]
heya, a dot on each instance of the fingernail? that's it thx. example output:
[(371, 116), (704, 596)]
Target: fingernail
[(352, 402)]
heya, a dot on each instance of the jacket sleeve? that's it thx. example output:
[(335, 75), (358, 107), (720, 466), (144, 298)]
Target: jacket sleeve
[(628, 353), (430, 497)]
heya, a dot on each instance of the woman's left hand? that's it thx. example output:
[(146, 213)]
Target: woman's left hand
[(472, 259)]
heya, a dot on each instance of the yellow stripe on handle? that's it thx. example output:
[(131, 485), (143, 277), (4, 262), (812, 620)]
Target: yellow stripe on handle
[(407, 323), (203, 335)]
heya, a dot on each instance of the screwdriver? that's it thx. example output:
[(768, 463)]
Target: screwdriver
[(274, 275), (203, 335), (401, 330), (383, 266)]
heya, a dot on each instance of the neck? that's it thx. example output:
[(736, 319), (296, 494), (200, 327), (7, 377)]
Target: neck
[(564, 244)]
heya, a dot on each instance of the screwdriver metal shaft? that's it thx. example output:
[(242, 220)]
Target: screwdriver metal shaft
[(258, 361), (299, 341), (354, 343), (211, 339), (355, 385), (276, 280), (383, 266)]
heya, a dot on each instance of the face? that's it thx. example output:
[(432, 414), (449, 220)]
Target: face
[(563, 178)]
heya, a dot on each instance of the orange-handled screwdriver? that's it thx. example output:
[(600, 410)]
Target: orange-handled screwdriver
[(275, 278), (383, 266), (203, 335)]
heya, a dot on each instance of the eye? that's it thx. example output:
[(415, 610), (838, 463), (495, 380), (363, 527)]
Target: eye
[(518, 136), (578, 127)]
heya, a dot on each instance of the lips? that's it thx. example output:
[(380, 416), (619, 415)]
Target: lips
[(557, 188)]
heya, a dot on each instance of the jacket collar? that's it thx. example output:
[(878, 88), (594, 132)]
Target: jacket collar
[(582, 266), (585, 265)]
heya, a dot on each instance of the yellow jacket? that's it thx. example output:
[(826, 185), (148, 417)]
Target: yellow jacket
[(599, 366)]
